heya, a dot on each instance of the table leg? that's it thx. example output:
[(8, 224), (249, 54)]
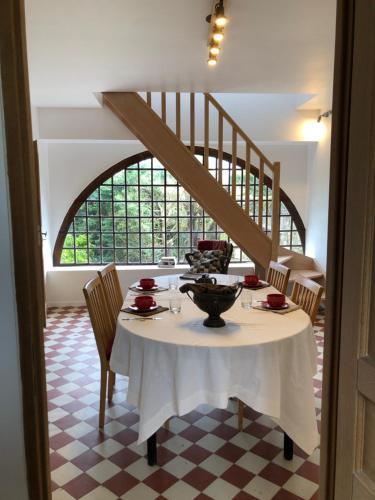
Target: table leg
[(288, 447), (152, 456)]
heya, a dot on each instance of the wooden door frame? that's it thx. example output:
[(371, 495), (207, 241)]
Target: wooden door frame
[(348, 259), (26, 242)]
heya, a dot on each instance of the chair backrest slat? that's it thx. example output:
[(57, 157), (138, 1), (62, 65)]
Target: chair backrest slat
[(112, 290), (307, 294), (278, 276), (102, 325)]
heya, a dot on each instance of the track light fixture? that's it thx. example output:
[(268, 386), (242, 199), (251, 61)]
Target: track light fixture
[(218, 34), (217, 21), (214, 48)]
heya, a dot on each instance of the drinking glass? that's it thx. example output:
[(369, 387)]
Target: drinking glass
[(246, 299), (175, 305), (173, 282)]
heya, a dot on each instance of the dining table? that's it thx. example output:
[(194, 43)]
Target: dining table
[(174, 363)]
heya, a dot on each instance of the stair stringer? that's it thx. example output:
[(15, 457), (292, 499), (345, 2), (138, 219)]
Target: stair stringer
[(159, 139)]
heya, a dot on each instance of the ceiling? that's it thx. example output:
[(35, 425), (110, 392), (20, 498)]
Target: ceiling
[(76, 48)]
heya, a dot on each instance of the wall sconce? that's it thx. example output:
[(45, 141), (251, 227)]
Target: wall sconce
[(315, 130), (217, 20), (324, 115)]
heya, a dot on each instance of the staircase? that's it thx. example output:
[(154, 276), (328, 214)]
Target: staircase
[(229, 207)]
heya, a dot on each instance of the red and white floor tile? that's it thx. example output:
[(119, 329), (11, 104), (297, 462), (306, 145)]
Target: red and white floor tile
[(202, 456)]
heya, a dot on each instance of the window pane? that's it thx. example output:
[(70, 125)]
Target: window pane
[(108, 256), (118, 193), (107, 240), (67, 257), (120, 255), (106, 209), (79, 224), (133, 240), (146, 256), (119, 178), (133, 225), (120, 225), (81, 257), (94, 240), (93, 224), (105, 193), (92, 208), (94, 256), (107, 224), (69, 241), (119, 209)]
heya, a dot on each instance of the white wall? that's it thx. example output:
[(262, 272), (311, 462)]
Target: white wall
[(264, 117), (318, 181), (13, 483)]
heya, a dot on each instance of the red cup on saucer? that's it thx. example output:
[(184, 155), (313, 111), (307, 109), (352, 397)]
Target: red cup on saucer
[(147, 283), (251, 279), (144, 302), (276, 299)]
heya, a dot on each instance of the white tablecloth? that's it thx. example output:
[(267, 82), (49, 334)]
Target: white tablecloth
[(175, 364)]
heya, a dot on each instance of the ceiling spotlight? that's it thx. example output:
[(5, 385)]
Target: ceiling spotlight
[(212, 60), (218, 34), (220, 19), (214, 48)]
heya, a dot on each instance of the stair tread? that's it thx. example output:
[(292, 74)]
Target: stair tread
[(284, 258), (306, 273)]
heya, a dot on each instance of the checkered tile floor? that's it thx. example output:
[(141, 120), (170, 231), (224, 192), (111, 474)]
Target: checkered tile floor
[(202, 455)]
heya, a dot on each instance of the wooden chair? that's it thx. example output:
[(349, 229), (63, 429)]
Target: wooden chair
[(278, 276), (104, 332), (307, 294), (112, 290)]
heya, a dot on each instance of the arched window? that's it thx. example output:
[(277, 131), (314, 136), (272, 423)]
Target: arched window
[(136, 212)]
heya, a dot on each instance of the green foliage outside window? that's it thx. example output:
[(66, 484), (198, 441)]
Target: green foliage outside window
[(141, 213)]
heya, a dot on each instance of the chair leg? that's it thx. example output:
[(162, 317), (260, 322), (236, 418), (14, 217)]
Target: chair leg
[(241, 407), (111, 383), (103, 389)]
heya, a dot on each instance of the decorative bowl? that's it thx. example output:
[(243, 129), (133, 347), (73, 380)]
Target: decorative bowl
[(213, 299)]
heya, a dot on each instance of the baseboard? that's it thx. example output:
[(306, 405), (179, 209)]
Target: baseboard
[(77, 303)]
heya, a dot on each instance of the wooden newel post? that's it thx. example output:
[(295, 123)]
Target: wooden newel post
[(275, 210)]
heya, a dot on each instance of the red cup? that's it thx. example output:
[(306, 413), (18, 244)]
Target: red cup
[(147, 283), (276, 299), (144, 302), (251, 279)]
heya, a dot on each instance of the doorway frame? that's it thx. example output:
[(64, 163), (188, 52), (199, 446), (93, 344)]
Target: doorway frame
[(23, 179), (27, 241)]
